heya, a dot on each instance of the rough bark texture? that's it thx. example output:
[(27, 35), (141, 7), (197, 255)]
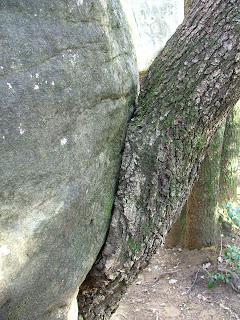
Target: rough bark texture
[(189, 89), (229, 158), (202, 225), (198, 224), (176, 236), (187, 5)]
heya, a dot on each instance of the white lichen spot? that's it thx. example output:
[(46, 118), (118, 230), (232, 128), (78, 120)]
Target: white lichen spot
[(79, 2), (13, 66), (73, 59), (4, 250), (21, 130), (9, 85), (36, 87), (52, 83), (228, 45), (37, 75), (63, 141), (46, 81), (237, 58), (1, 67), (3, 137)]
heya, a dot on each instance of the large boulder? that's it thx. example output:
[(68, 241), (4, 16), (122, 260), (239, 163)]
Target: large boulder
[(152, 22), (68, 78)]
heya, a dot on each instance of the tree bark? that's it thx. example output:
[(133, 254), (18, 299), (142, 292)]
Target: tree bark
[(187, 5), (197, 225), (202, 221), (187, 92), (229, 158), (176, 236)]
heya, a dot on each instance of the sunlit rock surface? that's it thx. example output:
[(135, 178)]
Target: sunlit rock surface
[(67, 81), (152, 22)]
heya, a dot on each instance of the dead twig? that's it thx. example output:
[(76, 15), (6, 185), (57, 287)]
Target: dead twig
[(163, 275), (220, 254), (193, 281)]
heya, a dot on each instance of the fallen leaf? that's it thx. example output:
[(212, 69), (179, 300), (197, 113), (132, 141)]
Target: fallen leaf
[(207, 299), (207, 265), (172, 281), (220, 259)]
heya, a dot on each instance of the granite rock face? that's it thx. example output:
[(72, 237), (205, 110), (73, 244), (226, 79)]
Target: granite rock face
[(68, 78), (152, 22)]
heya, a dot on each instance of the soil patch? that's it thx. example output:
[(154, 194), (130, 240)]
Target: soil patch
[(175, 286)]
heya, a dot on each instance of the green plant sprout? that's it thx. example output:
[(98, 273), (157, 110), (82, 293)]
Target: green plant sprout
[(233, 213), (228, 263)]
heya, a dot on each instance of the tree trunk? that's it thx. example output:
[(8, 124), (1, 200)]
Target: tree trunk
[(216, 185), (202, 223), (229, 158), (198, 224), (187, 92), (187, 5), (176, 236)]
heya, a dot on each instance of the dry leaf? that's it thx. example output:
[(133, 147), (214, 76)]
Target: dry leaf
[(172, 281)]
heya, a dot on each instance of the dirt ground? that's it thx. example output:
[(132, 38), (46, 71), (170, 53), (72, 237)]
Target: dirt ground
[(174, 286)]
